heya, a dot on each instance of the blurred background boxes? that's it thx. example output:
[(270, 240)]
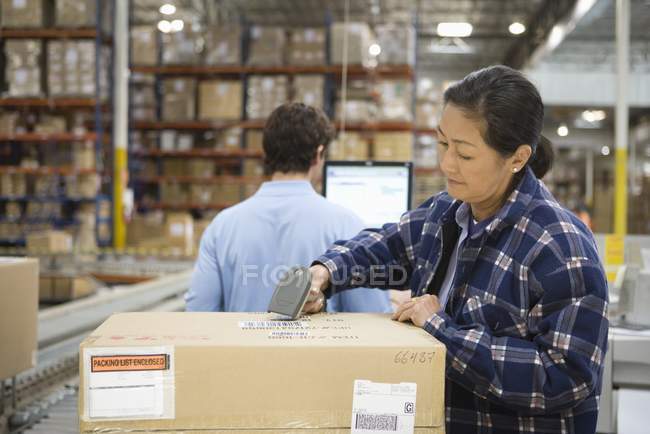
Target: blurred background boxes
[(182, 48), (265, 94), (397, 146), (220, 100), (349, 147), (71, 68), (267, 46), (309, 90), (21, 13), (397, 44), (144, 45), (178, 99), (359, 37), (48, 242), (22, 68), (75, 13), (307, 46), (395, 100), (222, 45)]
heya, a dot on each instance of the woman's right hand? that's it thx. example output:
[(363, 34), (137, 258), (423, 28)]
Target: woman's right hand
[(320, 280)]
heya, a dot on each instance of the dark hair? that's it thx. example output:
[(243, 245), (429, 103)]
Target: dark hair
[(511, 110), (292, 135)]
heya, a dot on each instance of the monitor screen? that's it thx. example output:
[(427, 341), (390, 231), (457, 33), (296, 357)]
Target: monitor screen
[(378, 192)]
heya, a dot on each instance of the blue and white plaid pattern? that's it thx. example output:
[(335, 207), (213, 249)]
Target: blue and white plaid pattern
[(526, 326)]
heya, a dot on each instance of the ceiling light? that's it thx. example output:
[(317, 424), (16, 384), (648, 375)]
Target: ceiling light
[(374, 50), (605, 150), (454, 30), (164, 26), (517, 28), (563, 130), (167, 9), (594, 115)]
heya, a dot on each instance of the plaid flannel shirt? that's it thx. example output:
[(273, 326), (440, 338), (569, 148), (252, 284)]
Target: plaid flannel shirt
[(526, 322)]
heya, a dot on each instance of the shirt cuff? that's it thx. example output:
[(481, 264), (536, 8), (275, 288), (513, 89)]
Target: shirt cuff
[(337, 276), (437, 324)]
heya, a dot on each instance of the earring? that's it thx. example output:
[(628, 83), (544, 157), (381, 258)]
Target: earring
[(515, 170)]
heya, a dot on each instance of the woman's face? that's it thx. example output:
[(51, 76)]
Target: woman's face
[(475, 172)]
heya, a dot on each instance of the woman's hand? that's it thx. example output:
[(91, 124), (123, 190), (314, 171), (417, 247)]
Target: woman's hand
[(417, 310), (320, 280)]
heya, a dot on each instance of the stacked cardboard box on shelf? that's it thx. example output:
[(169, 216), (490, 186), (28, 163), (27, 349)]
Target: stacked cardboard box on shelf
[(397, 44), (426, 114), (13, 184), (22, 68), (179, 233), (8, 123), (65, 287), (71, 68), (427, 185), (265, 93), (307, 46), (82, 186), (181, 48), (18, 315), (359, 38), (174, 193), (144, 45), (222, 45), (178, 99), (360, 105), (75, 13), (50, 124), (55, 241), (396, 100), (394, 146), (21, 13), (220, 100), (83, 155), (349, 146), (394, 367), (228, 138), (267, 46), (309, 90), (143, 97)]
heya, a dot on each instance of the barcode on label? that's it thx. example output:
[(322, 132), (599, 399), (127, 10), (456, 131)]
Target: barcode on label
[(272, 325), (376, 422)]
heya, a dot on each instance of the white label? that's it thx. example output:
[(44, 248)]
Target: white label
[(310, 35), (179, 85), (176, 229), (20, 4), (129, 383), (256, 32), (222, 89), (272, 325), (267, 84), (383, 407), (20, 77)]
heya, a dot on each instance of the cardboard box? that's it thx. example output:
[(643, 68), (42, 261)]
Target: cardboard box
[(83, 186), (309, 90), (143, 227), (307, 47), (397, 44), (174, 193), (396, 100), (359, 40), (179, 99), (222, 45), (22, 68), (83, 155), (220, 100), (267, 46), (22, 13), (18, 315), (200, 167), (393, 146), (50, 124), (181, 48), (49, 242), (45, 292), (144, 45), (8, 123), (179, 231), (426, 114), (349, 147), (66, 288), (75, 13), (71, 68), (265, 94), (196, 359)]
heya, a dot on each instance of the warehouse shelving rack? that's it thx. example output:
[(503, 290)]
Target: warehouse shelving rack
[(102, 141)]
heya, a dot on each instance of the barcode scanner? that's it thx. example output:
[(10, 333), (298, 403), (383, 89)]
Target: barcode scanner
[(291, 293)]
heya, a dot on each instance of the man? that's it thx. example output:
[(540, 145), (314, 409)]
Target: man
[(248, 247)]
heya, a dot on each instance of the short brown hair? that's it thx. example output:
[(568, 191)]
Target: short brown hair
[(292, 134)]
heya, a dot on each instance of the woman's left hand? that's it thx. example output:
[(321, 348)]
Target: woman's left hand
[(417, 310)]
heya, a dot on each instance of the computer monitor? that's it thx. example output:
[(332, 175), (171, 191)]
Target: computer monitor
[(378, 192)]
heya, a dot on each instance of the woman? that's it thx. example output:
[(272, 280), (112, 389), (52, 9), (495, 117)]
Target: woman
[(503, 275)]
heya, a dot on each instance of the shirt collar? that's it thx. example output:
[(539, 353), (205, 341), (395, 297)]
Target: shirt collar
[(283, 188)]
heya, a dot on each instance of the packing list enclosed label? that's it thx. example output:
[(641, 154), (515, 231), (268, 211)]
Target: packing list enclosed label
[(133, 383), (383, 407)]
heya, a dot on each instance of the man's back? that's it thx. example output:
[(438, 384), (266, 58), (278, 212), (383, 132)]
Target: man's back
[(247, 248)]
